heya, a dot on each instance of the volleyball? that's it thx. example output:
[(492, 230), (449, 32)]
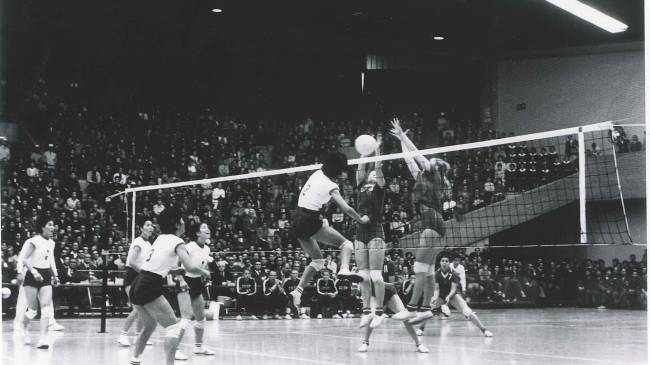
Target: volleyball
[(365, 144), (6, 293)]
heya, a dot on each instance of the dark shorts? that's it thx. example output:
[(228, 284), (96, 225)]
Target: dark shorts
[(146, 287), (431, 219), (195, 284), (390, 291), (306, 223), (366, 232), (130, 276), (30, 281)]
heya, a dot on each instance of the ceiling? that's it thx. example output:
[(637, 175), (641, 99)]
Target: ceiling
[(145, 41)]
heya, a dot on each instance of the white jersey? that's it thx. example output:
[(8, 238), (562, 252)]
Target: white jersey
[(460, 271), (198, 255), (316, 191), (43, 255), (145, 250), (162, 256)]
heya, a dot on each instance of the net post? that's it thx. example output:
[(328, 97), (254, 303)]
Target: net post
[(620, 192), (133, 217), (102, 327), (582, 186)]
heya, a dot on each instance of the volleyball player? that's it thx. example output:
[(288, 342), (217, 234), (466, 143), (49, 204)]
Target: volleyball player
[(319, 189), (37, 255), (138, 252), (147, 289), (428, 193), (394, 303), (370, 245), (190, 297), (446, 292)]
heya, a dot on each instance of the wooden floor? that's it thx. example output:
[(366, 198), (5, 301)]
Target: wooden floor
[(522, 336)]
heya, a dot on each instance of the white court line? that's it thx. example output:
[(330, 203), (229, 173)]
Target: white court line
[(444, 347), (297, 359)]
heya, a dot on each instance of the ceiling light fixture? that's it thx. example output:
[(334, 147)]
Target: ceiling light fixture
[(438, 38), (216, 10), (591, 15)]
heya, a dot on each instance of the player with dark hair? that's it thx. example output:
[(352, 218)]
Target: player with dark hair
[(428, 192), (370, 244), (319, 189), (138, 252), (37, 255), (446, 292), (147, 289), (190, 297)]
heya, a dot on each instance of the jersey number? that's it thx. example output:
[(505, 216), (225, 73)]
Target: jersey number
[(150, 254)]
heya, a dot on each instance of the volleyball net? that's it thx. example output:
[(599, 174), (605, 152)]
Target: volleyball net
[(560, 187)]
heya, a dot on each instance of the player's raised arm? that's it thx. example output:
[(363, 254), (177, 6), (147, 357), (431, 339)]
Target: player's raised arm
[(346, 208)]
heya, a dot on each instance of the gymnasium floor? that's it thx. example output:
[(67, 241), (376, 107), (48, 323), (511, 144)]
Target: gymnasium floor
[(522, 336)]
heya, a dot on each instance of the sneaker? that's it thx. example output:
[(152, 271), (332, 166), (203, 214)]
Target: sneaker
[(376, 321), (422, 349), (202, 350), (123, 340), (180, 356), (253, 316), (238, 317), (288, 316), (336, 316), (26, 339), (135, 361), (421, 317), (365, 320), (487, 333), (419, 332), (445, 310), (304, 316), (363, 347), (43, 343), (320, 316), (277, 316), (344, 315), (602, 307), (403, 315), (265, 317), (295, 300), (55, 327)]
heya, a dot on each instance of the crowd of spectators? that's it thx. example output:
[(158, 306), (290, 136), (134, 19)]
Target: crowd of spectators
[(87, 155)]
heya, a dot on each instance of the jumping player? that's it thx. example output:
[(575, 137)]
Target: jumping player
[(319, 189), (190, 298), (138, 252), (446, 292), (392, 302), (428, 191), (37, 255), (147, 289), (370, 244)]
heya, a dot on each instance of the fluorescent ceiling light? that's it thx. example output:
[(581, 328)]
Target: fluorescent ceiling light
[(591, 15), (216, 10), (438, 38)]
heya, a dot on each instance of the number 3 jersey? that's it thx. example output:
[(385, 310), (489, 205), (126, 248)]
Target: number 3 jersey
[(145, 251), (198, 255), (162, 257)]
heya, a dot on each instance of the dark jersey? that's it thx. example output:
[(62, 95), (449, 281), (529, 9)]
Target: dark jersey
[(371, 202), (444, 280), (428, 189), (326, 285), (246, 285), (290, 285), (344, 287)]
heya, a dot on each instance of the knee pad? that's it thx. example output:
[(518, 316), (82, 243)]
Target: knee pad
[(318, 264), (199, 324), (377, 244), (30, 313), (365, 274), (346, 245), (420, 267), (375, 275), (176, 330), (467, 311), (47, 312)]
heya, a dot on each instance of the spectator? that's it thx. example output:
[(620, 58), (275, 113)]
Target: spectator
[(246, 294), (275, 296), (635, 145), (326, 293)]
